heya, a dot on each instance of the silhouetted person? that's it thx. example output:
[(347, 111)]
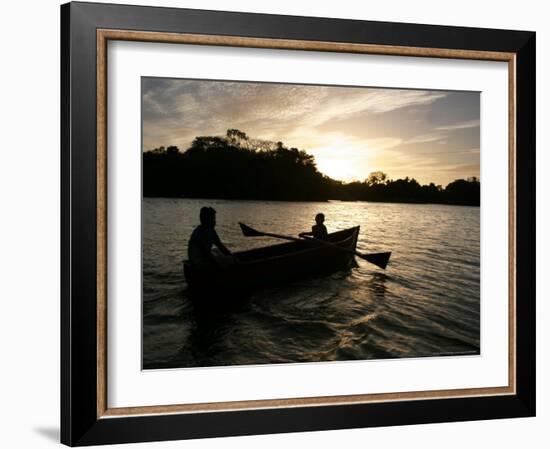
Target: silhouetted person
[(318, 230), (199, 249)]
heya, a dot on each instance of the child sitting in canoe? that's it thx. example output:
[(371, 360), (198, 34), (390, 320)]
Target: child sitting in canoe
[(318, 230)]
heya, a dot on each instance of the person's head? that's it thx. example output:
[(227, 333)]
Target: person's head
[(208, 217), (320, 218)]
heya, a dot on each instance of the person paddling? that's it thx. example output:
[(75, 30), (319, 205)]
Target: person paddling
[(318, 230), (199, 248)]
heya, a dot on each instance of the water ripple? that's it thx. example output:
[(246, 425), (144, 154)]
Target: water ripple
[(426, 303)]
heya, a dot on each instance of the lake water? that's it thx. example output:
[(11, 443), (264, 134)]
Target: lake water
[(426, 303)]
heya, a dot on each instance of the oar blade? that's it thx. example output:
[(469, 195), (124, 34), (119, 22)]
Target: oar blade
[(249, 232), (379, 259)]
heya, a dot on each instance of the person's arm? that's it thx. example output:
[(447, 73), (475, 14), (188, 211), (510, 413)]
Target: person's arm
[(220, 245), (311, 233)]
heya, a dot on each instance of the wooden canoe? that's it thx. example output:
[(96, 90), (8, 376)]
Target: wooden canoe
[(275, 264)]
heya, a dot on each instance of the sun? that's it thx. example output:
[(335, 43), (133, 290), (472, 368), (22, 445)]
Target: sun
[(340, 157), (338, 168)]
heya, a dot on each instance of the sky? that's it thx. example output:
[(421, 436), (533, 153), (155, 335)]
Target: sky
[(432, 136)]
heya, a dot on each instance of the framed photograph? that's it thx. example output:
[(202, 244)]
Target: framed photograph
[(279, 224)]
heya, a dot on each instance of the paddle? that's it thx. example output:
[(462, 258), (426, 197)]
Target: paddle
[(378, 259)]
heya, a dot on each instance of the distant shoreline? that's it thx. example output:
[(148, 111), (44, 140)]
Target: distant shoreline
[(305, 201), (238, 167)]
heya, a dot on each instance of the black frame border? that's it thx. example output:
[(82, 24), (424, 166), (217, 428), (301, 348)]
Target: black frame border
[(80, 424)]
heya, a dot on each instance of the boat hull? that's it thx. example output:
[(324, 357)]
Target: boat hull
[(275, 265)]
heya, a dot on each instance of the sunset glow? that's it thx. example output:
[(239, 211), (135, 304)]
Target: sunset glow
[(432, 136)]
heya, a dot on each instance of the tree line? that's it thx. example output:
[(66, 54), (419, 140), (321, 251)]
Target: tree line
[(236, 166)]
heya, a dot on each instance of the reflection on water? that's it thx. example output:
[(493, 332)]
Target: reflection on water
[(425, 303)]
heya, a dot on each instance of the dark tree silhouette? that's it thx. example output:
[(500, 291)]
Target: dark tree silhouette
[(376, 177), (237, 167)]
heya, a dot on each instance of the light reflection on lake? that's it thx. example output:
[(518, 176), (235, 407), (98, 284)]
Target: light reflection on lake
[(425, 303)]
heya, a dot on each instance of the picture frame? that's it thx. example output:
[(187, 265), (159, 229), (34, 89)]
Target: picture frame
[(86, 28)]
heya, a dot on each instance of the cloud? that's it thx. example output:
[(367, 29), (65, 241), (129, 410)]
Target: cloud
[(426, 138), (463, 125), (266, 108)]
